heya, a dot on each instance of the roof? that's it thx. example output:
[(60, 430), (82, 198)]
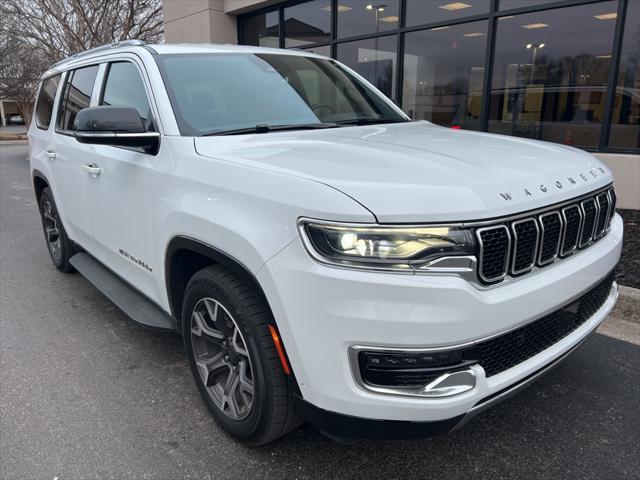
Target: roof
[(167, 48), (172, 48)]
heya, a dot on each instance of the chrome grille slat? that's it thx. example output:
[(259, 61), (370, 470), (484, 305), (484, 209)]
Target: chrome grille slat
[(589, 211), (602, 200), (495, 251), (612, 207), (572, 219), (551, 227), (524, 247), (523, 243)]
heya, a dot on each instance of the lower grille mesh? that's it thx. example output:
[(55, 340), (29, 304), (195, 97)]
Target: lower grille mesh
[(506, 351)]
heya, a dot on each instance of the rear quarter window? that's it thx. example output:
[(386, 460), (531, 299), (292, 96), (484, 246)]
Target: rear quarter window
[(44, 103)]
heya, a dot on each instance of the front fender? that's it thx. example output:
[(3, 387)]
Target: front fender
[(247, 213)]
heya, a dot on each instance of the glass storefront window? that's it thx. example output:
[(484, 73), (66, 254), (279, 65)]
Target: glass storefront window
[(322, 50), (625, 126), (509, 4), (360, 17), (307, 23), (374, 59), (550, 72), (443, 74), (550, 76), (261, 30), (421, 11)]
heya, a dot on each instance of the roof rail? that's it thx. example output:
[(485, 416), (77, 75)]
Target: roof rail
[(122, 43)]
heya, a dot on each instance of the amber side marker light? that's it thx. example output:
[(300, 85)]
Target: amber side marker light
[(280, 350)]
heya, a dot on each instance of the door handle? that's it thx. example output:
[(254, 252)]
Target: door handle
[(92, 169), (51, 154)]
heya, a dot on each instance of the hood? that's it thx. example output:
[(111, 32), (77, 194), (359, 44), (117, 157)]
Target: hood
[(418, 172)]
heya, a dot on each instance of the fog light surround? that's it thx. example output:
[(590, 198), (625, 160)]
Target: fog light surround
[(428, 373)]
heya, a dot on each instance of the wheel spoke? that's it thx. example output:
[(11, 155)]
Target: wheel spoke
[(245, 386), (210, 366), (201, 328), (217, 316), (238, 344), (229, 393)]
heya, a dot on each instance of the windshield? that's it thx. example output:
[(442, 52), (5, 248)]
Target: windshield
[(214, 93)]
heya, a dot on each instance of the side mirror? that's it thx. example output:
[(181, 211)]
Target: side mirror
[(117, 126)]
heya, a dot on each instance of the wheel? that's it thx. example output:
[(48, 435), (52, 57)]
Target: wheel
[(59, 246), (225, 325)]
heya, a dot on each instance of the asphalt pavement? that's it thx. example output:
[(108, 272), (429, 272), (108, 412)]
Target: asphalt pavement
[(85, 393)]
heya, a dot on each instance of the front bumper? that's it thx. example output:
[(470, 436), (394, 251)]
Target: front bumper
[(322, 311)]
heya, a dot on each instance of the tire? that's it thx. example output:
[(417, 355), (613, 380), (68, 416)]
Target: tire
[(256, 406), (60, 247)]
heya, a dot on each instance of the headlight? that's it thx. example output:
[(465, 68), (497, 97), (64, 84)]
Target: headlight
[(396, 248)]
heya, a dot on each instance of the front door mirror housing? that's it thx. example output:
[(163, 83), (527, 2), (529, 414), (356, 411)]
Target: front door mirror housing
[(116, 126)]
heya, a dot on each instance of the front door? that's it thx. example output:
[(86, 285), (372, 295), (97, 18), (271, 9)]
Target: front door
[(119, 189)]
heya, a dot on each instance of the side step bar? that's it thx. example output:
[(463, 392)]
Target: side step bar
[(134, 304)]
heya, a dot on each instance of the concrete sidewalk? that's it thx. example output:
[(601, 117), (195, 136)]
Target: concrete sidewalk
[(624, 321)]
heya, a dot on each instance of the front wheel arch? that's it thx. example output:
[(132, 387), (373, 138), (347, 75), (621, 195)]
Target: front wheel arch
[(185, 256)]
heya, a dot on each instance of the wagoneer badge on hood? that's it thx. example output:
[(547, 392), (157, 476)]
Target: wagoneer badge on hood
[(544, 188)]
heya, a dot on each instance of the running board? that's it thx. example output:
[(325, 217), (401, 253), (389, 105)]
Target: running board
[(134, 304)]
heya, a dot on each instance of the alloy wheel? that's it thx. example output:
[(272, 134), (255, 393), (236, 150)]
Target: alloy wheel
[(221, 356), (51, 232)]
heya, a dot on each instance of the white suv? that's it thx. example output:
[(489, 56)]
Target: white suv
[(324, 257)]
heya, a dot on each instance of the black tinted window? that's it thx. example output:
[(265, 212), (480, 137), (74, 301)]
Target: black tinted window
[(77, 95), (124, 88), (44, 105)]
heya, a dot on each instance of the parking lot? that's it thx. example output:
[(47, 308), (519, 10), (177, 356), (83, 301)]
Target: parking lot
[(85, 393)]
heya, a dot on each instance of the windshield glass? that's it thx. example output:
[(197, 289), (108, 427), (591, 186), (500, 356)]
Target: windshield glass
[(216, 92)]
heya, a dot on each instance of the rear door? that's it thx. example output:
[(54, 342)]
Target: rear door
[(120, 198), (41, 142), (69, 156)]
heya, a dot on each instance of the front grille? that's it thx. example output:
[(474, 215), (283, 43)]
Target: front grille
[(506, 351), (517, 246)]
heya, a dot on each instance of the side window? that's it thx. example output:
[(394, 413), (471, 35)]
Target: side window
[(77, 95), (124, 88), (44, 104)]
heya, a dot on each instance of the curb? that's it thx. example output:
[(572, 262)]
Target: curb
[(628, 306)]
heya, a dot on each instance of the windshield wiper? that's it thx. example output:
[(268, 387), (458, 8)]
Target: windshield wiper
[(371, 121), (272, 128)]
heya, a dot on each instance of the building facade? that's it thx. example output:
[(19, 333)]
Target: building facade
[(564, 71)]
